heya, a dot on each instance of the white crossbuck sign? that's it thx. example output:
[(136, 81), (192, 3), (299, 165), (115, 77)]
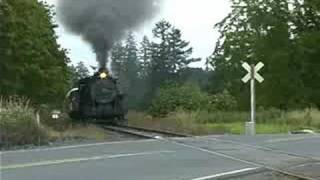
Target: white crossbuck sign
[(254, 74)]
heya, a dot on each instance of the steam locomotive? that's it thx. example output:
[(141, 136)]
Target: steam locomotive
[(97, 98)]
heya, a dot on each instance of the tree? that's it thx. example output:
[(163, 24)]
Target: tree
[(4, 51), (170, 54), (124, 57), (117, 59), (306, 19), (126, 66), (141, 71), (33, 63), (131, 61), (145, 55), (267, 31), (80, 71), (131, 67), (196, 76)]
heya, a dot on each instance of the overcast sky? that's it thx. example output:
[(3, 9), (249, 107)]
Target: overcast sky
[(196, 19)]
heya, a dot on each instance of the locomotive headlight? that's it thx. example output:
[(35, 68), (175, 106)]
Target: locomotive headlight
[(103, 75)]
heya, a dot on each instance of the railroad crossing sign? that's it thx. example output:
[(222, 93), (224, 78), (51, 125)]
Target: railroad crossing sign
[(253, 72), (252, 76)]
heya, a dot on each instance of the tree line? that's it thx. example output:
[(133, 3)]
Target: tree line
[(283, 34), (35, 66), (142, 68)]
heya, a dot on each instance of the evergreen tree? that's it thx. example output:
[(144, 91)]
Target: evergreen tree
[(126, 67), (80, 71), (131, 61), (143, 70), (145, 54), (179, 51), (170, 54), (117, 59), (131, 71)]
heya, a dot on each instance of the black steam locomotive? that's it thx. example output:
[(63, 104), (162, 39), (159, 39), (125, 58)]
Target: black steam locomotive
[(98, 99)]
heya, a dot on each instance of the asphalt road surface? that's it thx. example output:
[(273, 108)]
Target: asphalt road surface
[(201, 158)]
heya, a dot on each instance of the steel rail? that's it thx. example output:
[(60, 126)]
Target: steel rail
[(143, 132), (158, 134), (260, 165)]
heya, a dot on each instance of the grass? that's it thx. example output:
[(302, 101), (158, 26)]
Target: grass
[(88, 132), (19, 126), (271, 121), (18, 123)]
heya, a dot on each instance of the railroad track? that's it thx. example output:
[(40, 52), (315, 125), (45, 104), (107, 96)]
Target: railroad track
[(165, 135), (143, 132), (263, 168)]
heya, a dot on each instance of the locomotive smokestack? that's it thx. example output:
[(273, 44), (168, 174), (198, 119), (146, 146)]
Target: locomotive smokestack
[(103, 22)]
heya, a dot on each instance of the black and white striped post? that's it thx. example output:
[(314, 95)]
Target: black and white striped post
[(252, 76)]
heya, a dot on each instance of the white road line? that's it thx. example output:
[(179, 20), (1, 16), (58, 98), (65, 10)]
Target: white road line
[(226, 174), (76, 146), (279, 140), (78, 160)]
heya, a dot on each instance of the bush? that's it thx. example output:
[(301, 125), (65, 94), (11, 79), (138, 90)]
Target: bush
[(18, 123), (172, 97), (221, 102), (190, 98)]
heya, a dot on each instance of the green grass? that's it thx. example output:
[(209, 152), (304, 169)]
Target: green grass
[(201, 123)]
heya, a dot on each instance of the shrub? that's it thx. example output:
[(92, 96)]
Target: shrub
[(172, 97), (18, 123), (223, 101), (190, 98)]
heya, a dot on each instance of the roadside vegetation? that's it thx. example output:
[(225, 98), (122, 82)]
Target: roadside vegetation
[(229, 122), (19, 126), (188, 109), (18, 123)]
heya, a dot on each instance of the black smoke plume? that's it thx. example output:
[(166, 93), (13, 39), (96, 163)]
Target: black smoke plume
[(103, 22)]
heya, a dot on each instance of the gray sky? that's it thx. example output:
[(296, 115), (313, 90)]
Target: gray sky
[(195, 18)]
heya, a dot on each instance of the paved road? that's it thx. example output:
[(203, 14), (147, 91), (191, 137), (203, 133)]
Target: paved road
[(182, 159)]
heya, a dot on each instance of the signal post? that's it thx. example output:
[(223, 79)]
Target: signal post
[(252, 76)]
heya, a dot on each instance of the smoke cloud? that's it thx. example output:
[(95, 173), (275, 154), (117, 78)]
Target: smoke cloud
[(103, 22)]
